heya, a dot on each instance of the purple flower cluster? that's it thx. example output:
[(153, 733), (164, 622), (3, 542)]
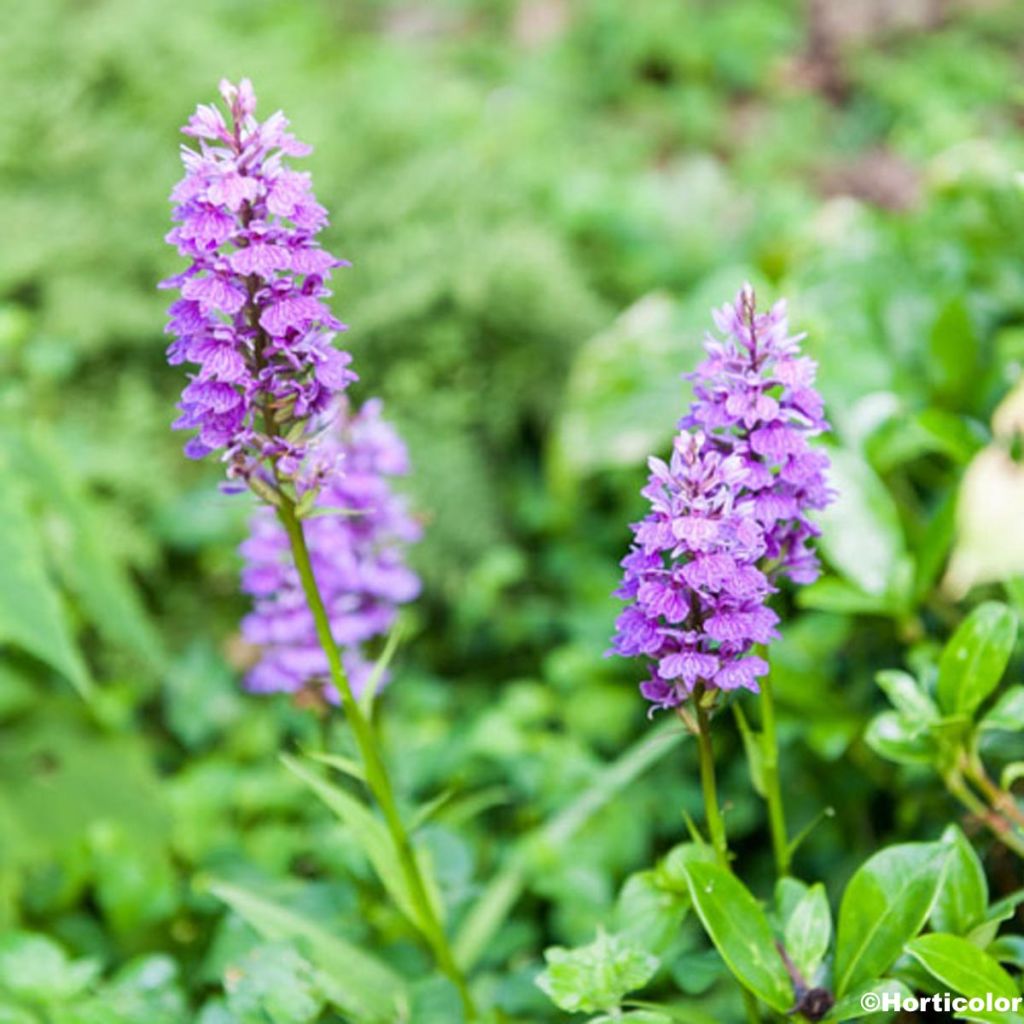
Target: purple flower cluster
[(729, 512), (251, 313), (357, 544)]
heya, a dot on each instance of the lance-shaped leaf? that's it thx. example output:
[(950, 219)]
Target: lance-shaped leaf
[(961, 965), (976, 657), (739, 928)]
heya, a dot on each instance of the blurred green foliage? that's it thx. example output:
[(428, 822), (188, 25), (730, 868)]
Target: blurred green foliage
[(541, 200)]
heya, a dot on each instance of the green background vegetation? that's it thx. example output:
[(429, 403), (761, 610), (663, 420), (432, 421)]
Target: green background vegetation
[(542, 200)]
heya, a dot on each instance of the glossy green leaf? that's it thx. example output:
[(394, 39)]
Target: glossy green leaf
[(961, 966), (962, 899), (885, 904), (739, 929), (907, 697), (31, 616), (355, 981), (889, 736), (808, 931), (976, 657), (1007, 714), (1008, 949)]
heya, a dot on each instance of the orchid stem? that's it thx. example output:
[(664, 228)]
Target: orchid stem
[(772, 786), (377, 777), (715, 821)]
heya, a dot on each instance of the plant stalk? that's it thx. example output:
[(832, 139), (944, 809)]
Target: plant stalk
[(715, 821), (772, 787), (377, 777), (1001, 828)]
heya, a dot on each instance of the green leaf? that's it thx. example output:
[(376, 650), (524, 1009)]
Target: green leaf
[(435, 1001), (889, 736), (1007, 713), (808, 932), (976, 657), (832, 594), (31, 616), (740, 932), (884, 906), (862, 536), (647, 914), (1008, 949), (907, 697), (85, 558), (371, 834), (353, 980), (960, 965), (36, 969), (273, 984), (952, 350), (753, 748), (596, 977), (963, 896)]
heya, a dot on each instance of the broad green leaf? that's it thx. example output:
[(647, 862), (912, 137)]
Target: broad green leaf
[(355, 981), (907, 697), (647, 914), (963, 896), (273, 984), (861, 532), (488, 913), (889, 736), (959, 964), (671, 868), (371, 834), (595, 977), (884, 906), (808, 932), (975, 658), (31, 616), (832, 594), (1007, 713), (740, 932)]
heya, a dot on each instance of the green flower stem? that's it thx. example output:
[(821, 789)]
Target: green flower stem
[(373, 763), (772, 788), (715, 821)]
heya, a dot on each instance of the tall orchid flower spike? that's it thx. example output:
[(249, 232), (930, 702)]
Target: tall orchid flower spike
[(251, 312), (729, 512)]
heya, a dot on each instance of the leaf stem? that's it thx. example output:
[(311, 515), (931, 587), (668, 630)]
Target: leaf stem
[(377, 777), (1001, 828), (772, 787)]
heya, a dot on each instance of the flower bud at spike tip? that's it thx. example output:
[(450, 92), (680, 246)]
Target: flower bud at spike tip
[(729, 512)]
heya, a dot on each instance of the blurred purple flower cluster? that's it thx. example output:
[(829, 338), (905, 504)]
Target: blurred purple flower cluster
[(357, 547), (729, 512), (251, 313)]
